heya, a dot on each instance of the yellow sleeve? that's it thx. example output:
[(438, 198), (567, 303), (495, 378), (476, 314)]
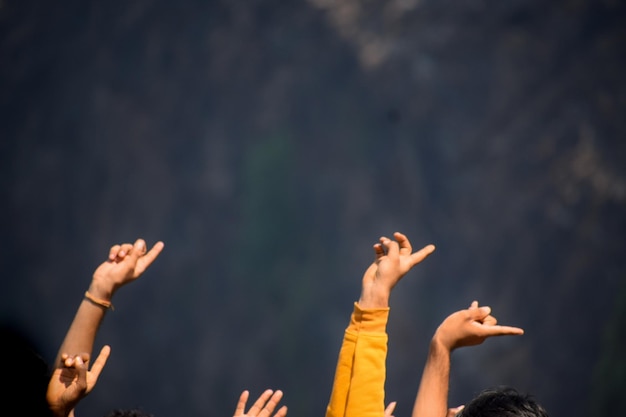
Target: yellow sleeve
[(359, 385)]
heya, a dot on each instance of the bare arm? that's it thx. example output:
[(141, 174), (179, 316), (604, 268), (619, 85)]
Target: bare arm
[(432, 397), (125, 263), (464, 328), (71, 379)]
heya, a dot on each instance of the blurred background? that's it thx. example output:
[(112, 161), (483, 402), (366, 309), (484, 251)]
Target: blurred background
[(269, 144)]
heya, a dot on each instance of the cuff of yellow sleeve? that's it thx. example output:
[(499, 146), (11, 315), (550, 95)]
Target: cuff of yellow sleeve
[(370, 320)]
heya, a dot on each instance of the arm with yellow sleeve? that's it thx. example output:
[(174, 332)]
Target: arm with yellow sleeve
[(359, 385)]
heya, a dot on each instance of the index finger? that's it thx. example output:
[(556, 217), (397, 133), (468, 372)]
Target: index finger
[(100, 361), (146, 260), (422, 254), (503, 330)]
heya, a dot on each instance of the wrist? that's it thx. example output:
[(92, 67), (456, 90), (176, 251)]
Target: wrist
[(369, 303), (106, 304), (437, 345), (101, 290), (100, 295), (58, 410), (374, 298)]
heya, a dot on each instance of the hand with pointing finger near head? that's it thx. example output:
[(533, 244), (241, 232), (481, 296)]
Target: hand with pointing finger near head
[(468, 327)]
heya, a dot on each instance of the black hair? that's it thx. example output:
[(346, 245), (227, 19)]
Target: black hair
[(503, 402), (130, 412)]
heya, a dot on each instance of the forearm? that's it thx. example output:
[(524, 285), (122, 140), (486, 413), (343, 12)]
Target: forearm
[(358, 388), (81, 334), (367, 385), (343, 372), (432, 395)]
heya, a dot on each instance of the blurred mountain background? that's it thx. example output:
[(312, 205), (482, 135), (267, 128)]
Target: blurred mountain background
[(269, 144)]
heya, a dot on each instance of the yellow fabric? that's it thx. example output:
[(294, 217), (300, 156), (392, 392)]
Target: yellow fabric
[(359, 385)]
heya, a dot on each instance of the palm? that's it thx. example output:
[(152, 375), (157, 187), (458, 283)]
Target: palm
[(65, 389), (69, 376), (119, 272), (389, 269)]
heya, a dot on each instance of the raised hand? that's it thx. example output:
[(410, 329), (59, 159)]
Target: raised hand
[(393, 259), (125, 263), (73, 381), (263, 407), (471, 327), (467, 327), (71, 378)]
